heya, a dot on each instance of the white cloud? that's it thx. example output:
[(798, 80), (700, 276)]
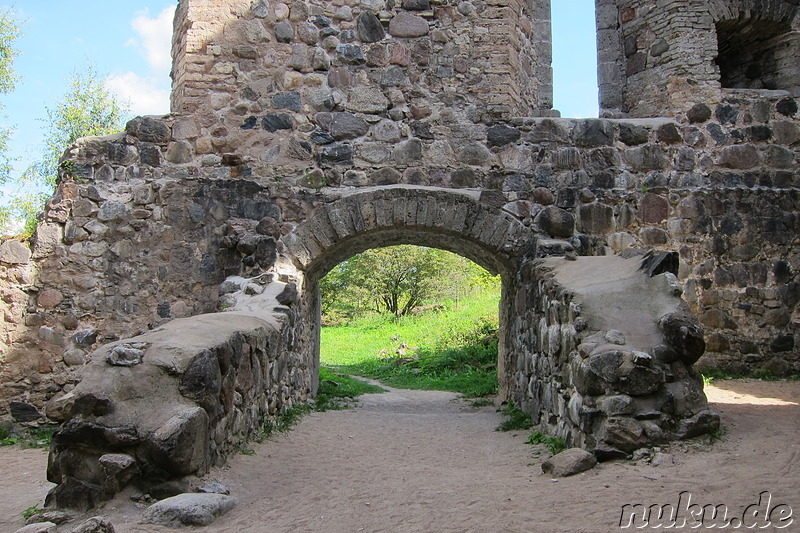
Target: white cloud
[(148, 94), (155, 37)]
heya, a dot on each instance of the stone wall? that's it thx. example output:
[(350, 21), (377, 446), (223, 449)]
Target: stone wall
[(132, 239), (659, 59), (179, 399), (606, 389)]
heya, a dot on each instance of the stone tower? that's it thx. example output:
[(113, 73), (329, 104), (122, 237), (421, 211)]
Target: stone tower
[(660, 58), (483, 59)]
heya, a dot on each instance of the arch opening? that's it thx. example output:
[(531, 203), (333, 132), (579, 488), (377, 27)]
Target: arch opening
[(757, 54), (413, 317), (475, 252)]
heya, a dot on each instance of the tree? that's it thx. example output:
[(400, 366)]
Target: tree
[(87, 108), (399, 279), (9, 32)]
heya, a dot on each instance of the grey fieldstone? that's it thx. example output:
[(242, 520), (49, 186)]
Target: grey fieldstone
[(367, 100), (350, 53), (178, 152), (698, 113), (341, 125), (84, 338), (593, 132), (500, 135), (75, 357), (556, 222), (615, 337), (417, 5), (386, 131), (180, 446), (701, 423), (23, 412), (595, 218), (307, 32), (41, 527), (569, 462), (684, 334), (408, 152), (128, 354), (213, 487), (96, 524), (408, 25), (726, 114), (787, 107), (149, 129), (278, 121), (13, 252), (118, 470), (112, 210), (632, 134), (475, 154), (623, 434), (368, 28), (188, 510), (284, 31), (290, 101), (337, 154)]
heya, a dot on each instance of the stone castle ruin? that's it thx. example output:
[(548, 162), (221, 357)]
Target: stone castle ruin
[(168, 303)]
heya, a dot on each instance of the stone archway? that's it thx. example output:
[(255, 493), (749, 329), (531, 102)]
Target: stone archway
[(452, 220)]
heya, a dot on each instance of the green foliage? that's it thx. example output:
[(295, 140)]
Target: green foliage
[(453, 349), (28, 438), (6, 438), (282, 422), (371, 337), (717, 434), (470, 369), (337, 391), (9, 32), (398, 280), (19, 216), (242, 449), (87, 108), (39, 437), (31, 511), (516, 418), (554, 444)]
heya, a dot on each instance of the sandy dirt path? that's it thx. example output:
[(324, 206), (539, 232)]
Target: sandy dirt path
[(414, 461)]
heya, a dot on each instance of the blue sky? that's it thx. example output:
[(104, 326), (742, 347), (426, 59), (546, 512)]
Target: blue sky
[(128, 40)]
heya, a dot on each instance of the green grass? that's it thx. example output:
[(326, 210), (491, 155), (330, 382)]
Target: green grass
[(33, 510), (451, 349), (28, 438), (337, 390), (516, 418), (555, 445), (6, 439)]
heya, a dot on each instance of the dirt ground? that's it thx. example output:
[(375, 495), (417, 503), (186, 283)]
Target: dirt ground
[(414, 461)]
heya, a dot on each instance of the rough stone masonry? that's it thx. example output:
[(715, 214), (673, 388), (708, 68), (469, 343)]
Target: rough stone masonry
[(168, 304)]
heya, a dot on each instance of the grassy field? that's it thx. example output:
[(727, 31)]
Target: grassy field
[(453, 348)]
